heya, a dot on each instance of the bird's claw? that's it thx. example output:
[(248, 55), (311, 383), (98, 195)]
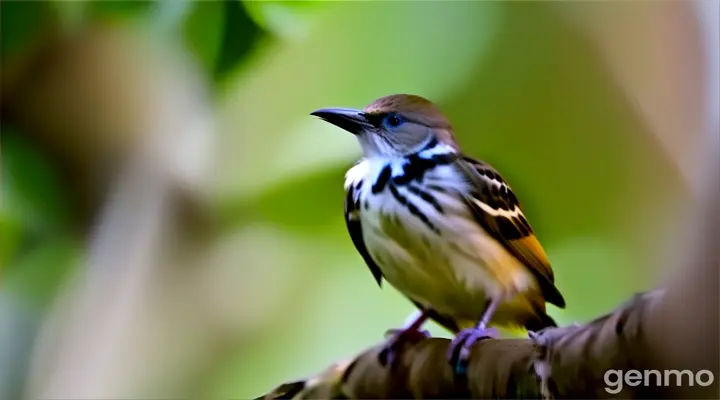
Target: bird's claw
[(459, 351), (396, 339)]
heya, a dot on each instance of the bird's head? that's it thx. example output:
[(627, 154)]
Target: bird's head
[(393, 126)]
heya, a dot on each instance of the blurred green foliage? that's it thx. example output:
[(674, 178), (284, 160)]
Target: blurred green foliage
[(522, 89), (31, 186), (21, 21)]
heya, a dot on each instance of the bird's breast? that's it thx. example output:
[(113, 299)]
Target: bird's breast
[(416, 232), (426, 241)]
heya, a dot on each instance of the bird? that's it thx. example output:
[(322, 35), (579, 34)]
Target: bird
[(444, 229)]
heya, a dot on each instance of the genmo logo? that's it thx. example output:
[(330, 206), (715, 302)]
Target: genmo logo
[(615, 379)]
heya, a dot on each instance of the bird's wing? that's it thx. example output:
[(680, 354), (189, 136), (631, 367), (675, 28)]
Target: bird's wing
[(352, 220), (497, 209)]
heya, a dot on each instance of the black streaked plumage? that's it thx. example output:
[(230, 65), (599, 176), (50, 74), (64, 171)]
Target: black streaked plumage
[(427, 197), (412, 208), (352, 221), (382, 180)]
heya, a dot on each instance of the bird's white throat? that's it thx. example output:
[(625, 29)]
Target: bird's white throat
[(369, 169)]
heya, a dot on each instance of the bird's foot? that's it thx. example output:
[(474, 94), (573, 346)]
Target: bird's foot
[(459, 352), (396, 339)]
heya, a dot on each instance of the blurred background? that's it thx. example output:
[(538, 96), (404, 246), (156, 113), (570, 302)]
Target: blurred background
[(171, 217)]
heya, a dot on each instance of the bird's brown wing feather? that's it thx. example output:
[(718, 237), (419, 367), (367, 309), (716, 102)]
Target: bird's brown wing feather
[(491, 194), (352, 220)]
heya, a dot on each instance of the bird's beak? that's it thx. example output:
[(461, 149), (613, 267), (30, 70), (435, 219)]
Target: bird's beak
[(353, 121)]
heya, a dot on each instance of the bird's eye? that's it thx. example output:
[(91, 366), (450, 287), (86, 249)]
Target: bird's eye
[(393, 121)]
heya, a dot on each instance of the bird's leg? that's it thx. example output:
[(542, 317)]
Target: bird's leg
[(410, 332), (411, 326), (459, 351)]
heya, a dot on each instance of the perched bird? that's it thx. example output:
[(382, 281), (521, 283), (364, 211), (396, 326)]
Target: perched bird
[(442, 228)]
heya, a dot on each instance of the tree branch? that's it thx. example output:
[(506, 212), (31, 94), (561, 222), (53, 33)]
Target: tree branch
[(553, 363)]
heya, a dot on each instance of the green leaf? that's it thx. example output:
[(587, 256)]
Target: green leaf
[(20, 21), (240, 35), (203, 30), (286, 19), (31, 186)]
